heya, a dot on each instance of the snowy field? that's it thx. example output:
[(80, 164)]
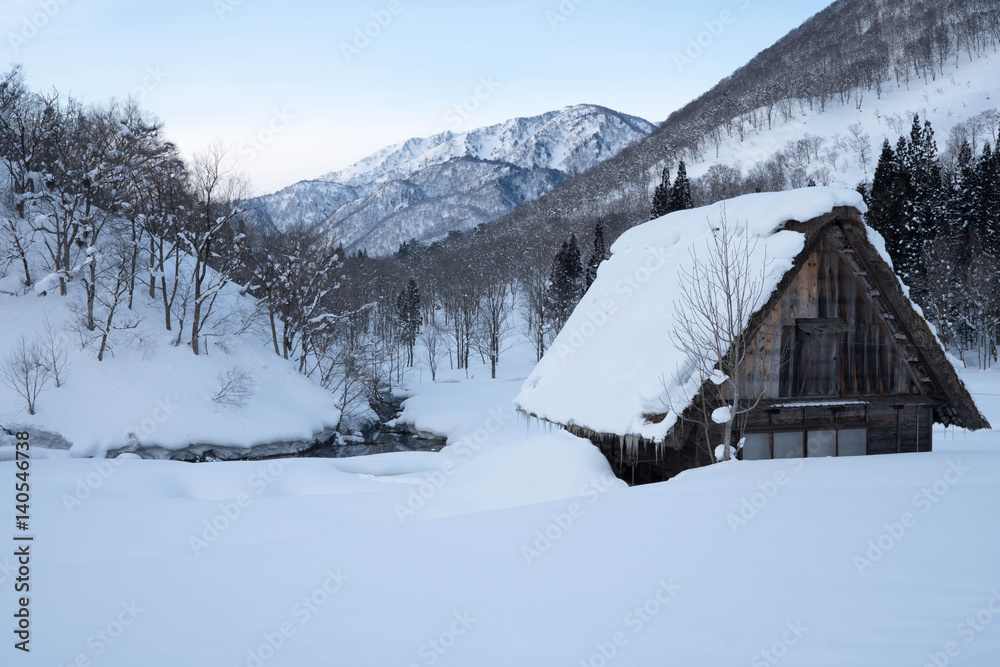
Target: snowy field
[(514, 546)]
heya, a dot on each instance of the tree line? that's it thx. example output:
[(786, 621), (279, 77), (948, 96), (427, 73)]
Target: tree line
[(940, 217)]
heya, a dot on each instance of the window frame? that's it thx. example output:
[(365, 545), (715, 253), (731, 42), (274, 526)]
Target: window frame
[(804, 430)]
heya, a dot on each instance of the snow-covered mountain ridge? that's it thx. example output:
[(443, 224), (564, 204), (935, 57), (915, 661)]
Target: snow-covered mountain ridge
[(425, 187)]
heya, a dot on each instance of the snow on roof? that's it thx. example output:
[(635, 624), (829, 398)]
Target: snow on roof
[(614, 361)]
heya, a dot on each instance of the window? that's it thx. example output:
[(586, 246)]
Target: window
[(756, 446), (788, 445), (822, 443), (852, 442), (811, 443)]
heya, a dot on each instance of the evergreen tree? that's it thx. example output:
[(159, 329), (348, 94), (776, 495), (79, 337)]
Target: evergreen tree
[(925, 179), (661, 195), (987, 202), (408, 317), (598, 253), (886, 202), (963, 206), (566, 284), (680, 194), (864, 188)]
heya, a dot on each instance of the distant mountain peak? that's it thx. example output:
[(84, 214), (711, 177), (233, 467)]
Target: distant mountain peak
[(424, 187)]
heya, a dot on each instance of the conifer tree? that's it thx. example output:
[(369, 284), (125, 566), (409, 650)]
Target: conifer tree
[(566, 284), (680, 193), (885, 206), (598, 253), (925, 178), (408, 317), (661, 196), (987, 201), (963, 206)]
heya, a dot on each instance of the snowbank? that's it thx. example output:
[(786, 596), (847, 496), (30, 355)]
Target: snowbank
[(721, 561)]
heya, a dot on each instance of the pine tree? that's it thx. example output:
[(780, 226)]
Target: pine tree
[(886, 200), (987, 201), (598, 253), (661, 195), (566, 284), (408, 317), (925, 177), (963, 206), (680, 194)]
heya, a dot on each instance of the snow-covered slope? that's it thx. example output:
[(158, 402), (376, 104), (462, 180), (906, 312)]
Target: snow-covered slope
[(964, 91), (423, 188), (151, 395)]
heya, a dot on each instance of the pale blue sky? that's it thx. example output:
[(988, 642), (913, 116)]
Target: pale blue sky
[(230, 69)]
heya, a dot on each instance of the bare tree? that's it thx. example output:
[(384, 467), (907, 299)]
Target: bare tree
[(220, 193), (52, 344), (719, 291), (534, 279), (111, 294), (496, 303), (861, 143), (20, 238), (24, 371), (432, 337)]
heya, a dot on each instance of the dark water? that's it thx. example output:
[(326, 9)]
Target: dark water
[(375, 443)]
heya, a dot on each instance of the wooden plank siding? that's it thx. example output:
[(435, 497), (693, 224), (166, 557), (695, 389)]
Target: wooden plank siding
[(859, 358)]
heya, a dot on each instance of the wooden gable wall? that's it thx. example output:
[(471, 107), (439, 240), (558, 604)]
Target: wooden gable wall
[(827, 338)]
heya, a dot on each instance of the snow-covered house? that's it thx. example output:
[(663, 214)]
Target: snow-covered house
[(840, 362)]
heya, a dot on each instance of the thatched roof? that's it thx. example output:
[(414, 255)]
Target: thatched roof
[(605, 373)]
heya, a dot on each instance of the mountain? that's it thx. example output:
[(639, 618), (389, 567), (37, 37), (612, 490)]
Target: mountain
[(423, 188), (858, 65)]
